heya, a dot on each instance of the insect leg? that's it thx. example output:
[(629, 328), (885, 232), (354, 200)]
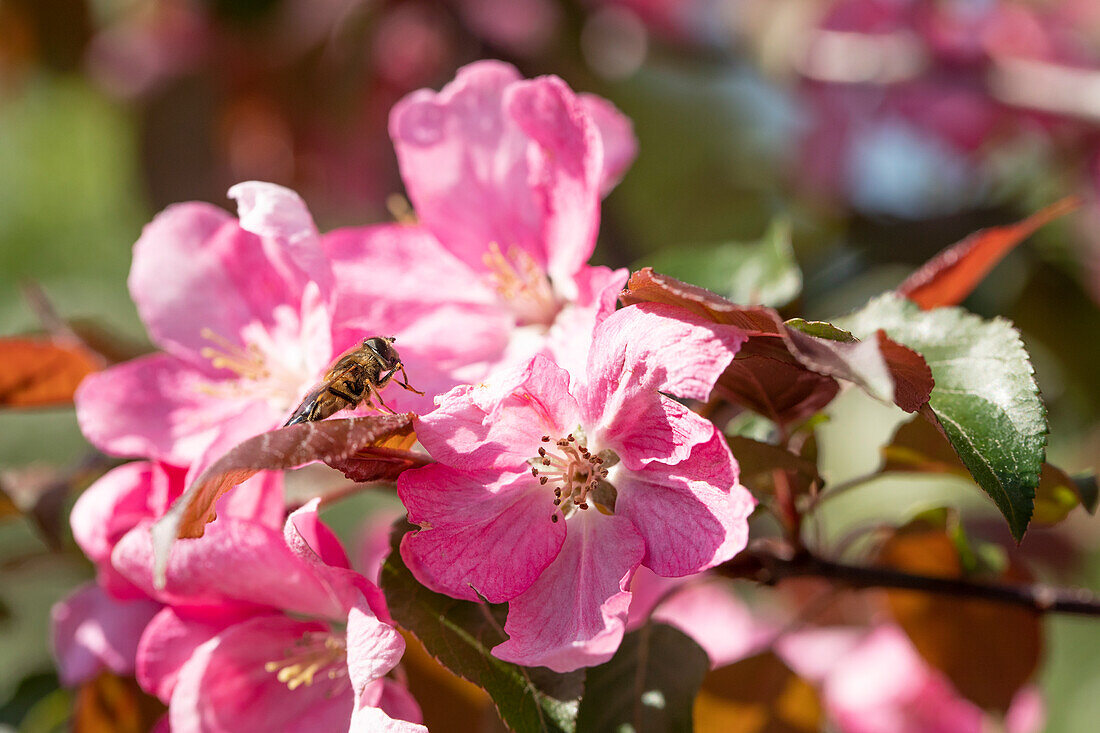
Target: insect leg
[(375, 394), (404, 381)]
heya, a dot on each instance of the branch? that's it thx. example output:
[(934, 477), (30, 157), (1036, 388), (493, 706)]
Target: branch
[(766, 563)]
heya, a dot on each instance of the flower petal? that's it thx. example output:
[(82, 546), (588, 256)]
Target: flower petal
[(570, 336), (565, 166), (225, 686), (318, 548), (110, 508), (499, 424), (235, 561), (92, 631), (154, 407), (373, 647), (620, 147), (464, 163), (376, 720), (169, 640), (488, 540), (660, 348), (196, 272), (639, 352), (575, 613), (693, 515)]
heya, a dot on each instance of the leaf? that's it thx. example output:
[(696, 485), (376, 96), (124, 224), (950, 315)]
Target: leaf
[(758, 461), (987, 649), (985, 397), (820, 329), (648, 686), (111, 704), (1059, 494), (36, 372), (786, 372), (758, 695), (343, 443), (763, 272), (919, 447), (460, 635), (953, 274), (449, 703), (647, 286)]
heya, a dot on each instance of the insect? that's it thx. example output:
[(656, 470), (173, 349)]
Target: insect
[(357, 375)]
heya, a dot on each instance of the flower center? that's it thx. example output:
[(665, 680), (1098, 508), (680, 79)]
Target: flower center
[(248, 362), (315, 652), (575, 473), (523, 284)]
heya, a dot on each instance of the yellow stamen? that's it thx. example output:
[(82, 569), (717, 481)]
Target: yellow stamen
[(522, 282)]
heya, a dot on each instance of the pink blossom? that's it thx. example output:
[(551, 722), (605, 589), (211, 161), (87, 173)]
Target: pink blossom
[(266, 631), (704, 608), (506, 176), (143, 490), (876, 682), (551, 488), (243, 310), (92, 631), (98, 626)]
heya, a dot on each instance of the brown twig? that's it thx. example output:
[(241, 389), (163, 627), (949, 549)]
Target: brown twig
[(767, 563)]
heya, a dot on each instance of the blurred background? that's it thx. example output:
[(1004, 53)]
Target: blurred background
[(875, 132)]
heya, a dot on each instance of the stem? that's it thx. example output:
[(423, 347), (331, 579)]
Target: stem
[(767, 565)]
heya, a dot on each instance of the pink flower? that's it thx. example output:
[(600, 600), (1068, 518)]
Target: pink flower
[(98, 626), (704, 608), (551, 488), (130, 494), (91, 631), (876, 682), (264, 631), (506, 175), (243, 312)]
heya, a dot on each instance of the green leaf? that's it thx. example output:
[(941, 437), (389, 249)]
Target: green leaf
[(649, 685), (821, 329), (748, 273), (460, 635), (985, 396)]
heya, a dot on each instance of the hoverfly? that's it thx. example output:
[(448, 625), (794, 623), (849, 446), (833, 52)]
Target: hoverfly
[(357, 375)]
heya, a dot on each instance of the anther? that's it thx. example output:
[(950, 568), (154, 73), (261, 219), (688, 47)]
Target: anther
[(543, 480), (534, 471), (553, 517), (546, 461), (542, 452), (583, 505), (570, 438), (546, 439)]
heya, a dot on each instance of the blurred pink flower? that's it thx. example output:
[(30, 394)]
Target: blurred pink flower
[(506, 177), (98, 626), (876, 682), (92, 631), (552, 488), (264, 631)]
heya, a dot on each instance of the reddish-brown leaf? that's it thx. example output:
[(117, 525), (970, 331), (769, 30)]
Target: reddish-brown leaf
[(37, 372), (953, 274), (110, 704), (771, 382), (647, 286), (343, 443), (987, 649), (787, 374), (757, 695)]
